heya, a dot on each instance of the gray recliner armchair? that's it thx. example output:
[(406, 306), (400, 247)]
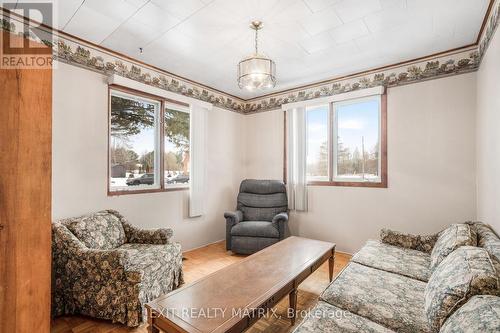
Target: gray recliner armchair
[(261, 216)]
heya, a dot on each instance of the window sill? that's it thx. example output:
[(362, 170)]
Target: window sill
[(382, 184), (156, 190)]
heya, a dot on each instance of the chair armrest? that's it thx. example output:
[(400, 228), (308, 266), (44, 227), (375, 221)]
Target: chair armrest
[(232, 218), (423, 243), (281, 219), (147, 236)]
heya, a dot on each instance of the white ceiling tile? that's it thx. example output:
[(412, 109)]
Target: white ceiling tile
[(349, 31), (287, 11), (317, 43), (130, 36), (246, 10), (393, 3), (155, 17), (309, 40), (389, 18), (180, 9), (320, 21), (289, 32), (63, 10), (119, 10), (317, 5), (349, 10), (102, 25)]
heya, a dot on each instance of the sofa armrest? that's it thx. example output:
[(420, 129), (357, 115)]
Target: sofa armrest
[(423, 243), (232, 218), (147, 236), (281, 219)]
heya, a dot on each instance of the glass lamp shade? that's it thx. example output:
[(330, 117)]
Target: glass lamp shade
[(256, 73)]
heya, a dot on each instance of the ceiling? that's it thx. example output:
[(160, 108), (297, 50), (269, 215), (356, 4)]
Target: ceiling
[(310, 40)]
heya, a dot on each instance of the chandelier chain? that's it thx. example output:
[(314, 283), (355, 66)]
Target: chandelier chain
[(256, 41)]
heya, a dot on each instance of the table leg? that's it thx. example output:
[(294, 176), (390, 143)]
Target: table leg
[(293, 305), (331, 262), (151, 328)]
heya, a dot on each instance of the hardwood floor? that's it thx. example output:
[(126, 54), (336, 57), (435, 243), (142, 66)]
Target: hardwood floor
[(206, 260)]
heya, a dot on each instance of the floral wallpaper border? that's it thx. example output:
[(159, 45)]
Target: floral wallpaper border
[(89, 57), (490, 29), (463, 62)]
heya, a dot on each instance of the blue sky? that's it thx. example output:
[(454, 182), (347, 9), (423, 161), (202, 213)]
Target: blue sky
[(355, 121)]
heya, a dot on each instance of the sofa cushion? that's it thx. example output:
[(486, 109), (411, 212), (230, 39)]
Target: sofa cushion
[(466, 272), (411, 263), (101, 230), (256, 229), (488, 239), (423, 243), (479, 314), (451, 239), (325, 317), (391, 300)]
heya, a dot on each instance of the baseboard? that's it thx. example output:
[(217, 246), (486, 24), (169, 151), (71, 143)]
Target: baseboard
[(199, 247), (342, 252)]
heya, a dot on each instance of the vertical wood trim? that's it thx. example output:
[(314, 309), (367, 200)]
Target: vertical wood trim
[(383, 142), (25, 199)]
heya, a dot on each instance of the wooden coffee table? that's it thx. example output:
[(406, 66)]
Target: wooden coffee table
[(235, 297)]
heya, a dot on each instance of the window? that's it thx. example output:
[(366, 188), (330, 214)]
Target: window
[(176, 156), (140, 128), (317, 143), (346, 143)]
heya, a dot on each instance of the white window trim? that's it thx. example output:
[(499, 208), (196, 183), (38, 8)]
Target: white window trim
[(132, 84), (157, 133), (185, 109)]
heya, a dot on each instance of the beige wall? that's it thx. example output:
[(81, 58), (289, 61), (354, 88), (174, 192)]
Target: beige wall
[(488, 136), (80, 118), (431, 167)]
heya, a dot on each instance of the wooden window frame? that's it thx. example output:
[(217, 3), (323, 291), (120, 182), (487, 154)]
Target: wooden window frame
[(161, 114), (383, 183)]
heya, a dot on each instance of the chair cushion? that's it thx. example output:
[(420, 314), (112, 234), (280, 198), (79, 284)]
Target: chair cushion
[(158, 265), (479, 314), (261, 200), (256, 229), (101, 230), (451, 239), (261, 214), (391, 300), (325, 317), (466, 272), (411, 263)]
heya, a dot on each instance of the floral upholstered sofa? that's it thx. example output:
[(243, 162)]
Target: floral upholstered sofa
[(106, 268), (448, 282)]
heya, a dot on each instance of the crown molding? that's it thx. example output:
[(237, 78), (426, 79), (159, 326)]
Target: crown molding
[(78, 52)]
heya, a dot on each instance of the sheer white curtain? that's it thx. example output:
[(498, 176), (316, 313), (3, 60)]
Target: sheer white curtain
[(198, 135), (296, 158)]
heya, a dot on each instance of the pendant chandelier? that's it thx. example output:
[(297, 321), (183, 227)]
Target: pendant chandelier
[(256, 72)]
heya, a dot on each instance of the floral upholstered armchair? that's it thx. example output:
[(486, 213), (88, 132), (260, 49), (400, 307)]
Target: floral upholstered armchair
[(106, 268)]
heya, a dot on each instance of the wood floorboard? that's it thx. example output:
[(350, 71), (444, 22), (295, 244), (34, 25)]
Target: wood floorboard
[(201, 262)]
